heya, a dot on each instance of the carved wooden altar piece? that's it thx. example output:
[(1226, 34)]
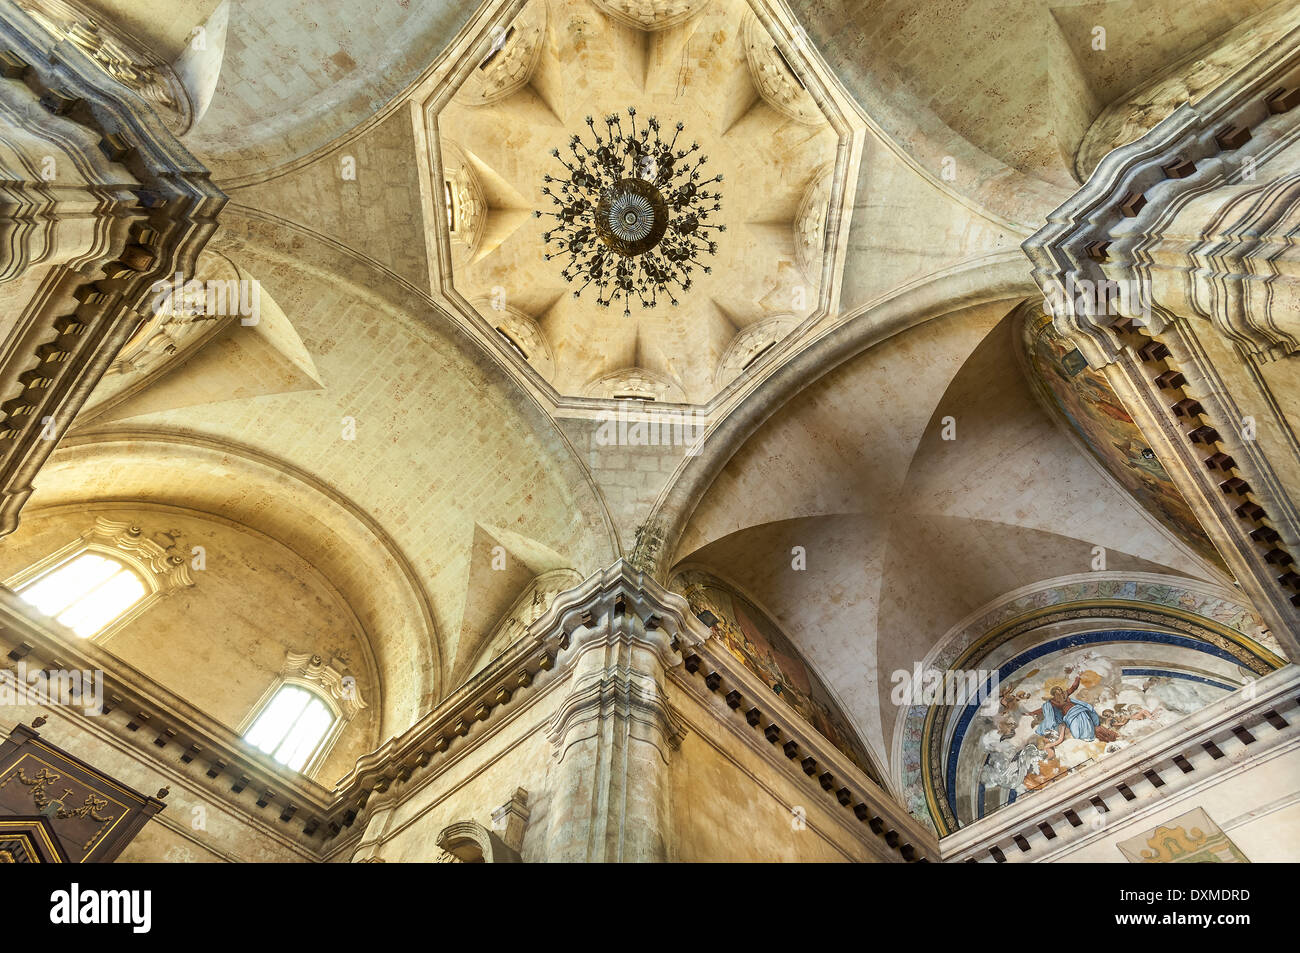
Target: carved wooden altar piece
[(55, 808)]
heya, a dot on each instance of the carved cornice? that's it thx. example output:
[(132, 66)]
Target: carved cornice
[(162, 729), (1258, 41), (122, 59), (1128, 223), (1189, 230), (785, 740), (86, 314), (619, 604), (631, 697), (1253, 724)]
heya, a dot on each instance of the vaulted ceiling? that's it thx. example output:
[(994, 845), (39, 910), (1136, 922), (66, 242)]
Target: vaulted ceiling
[(720, 74), (379, 427)]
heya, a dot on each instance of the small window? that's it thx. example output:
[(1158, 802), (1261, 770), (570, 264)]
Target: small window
[(292, 726), (86, 593), (448, 196)]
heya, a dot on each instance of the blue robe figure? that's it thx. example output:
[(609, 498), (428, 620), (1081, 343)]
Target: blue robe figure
[(1079, 717)]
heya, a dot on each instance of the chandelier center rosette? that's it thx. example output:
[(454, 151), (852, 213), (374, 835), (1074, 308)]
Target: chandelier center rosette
[(632, 213)]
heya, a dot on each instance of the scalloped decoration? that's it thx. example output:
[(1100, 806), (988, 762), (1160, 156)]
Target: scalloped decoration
[(508, 62), (521, 333), (650, 15), (635, 383), (810, 224), (773, 77), (750, 343)]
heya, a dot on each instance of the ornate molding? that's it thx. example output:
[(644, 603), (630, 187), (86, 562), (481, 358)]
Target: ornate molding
[(810, 224), (169, 568), (1173, 269), (1198, 610), (753, 342), (180, 319), (1205, 195), (157, 219), (774, 76), (1246, 727), (527, 609), (508, 63), (469, 842), (1261, 38), (634, 699), (635, 383), (521, 332), (469, 208), (650, 15), (121, 58), (314, 671)]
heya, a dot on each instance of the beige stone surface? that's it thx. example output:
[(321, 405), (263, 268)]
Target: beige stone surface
[(384, 471)]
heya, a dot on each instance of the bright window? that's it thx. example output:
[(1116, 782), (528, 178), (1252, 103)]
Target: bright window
[(451, 206), (85, 593), (292, 726)]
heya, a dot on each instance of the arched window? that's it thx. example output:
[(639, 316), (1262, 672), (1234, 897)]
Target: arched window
[(99, 582), (87, 592), (292, 726)]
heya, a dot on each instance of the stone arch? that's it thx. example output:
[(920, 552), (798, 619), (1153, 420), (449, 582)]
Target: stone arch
[(1197, 616), (469, 842)]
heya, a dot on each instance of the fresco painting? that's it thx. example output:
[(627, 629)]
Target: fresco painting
[(1060, 712), (1191, 838), (757, 642), (1092, 409)]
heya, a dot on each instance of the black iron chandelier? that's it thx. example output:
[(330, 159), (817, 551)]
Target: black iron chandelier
[(632, 213)]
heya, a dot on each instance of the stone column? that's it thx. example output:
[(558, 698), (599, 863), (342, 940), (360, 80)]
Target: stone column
[(615, 731)]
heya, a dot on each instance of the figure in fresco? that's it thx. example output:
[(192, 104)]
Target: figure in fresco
[(1061, 713), (753, 641), (1010, 699), (1113, 719), (1095, 413), (1064, 717)]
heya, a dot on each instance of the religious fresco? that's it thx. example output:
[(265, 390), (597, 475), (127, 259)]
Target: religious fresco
[(757, 642), (1191, 838), (1065, 381), (1199, 613), (1075, 702)]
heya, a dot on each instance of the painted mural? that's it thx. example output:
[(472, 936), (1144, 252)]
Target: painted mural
[(1191, 838), (1076, 701), (1083, 396), (1194, 614), (757, 642)]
